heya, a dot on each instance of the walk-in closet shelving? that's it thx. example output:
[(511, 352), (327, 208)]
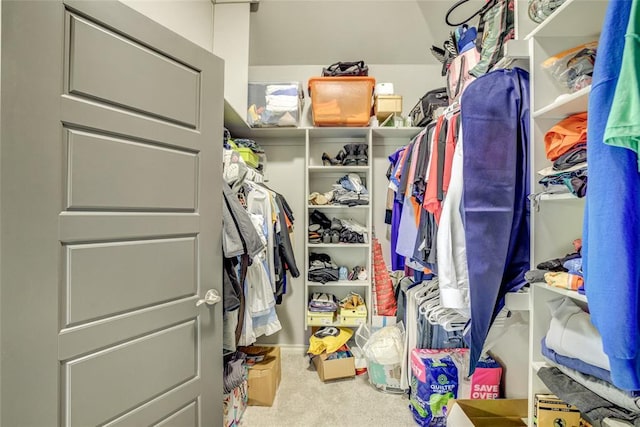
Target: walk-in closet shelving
[(556, 219), (320, 178)]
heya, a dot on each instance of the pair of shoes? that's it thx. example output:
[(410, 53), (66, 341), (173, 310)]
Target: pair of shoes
[(358, 273), (356, 154), (330, 236), (316, 198), (351, 301)]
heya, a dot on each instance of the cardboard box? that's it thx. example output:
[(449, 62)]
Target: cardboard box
[(486, 413), (264, 379), (319, 318), (386, 105), (353, 316), (549, 410), (234, 405), (334, 368)]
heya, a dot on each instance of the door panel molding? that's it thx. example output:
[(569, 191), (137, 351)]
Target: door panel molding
[(172, 95), (122, 378), (106, 173), (150, 272)]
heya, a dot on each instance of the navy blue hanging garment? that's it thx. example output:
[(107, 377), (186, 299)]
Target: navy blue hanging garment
[(611, 234), (495, 204)]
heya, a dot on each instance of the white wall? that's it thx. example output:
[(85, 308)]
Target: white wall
[(192, 19), (283, 163), (231, 43)]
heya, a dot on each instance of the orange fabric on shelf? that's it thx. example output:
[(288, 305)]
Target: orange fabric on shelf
[(561, 279), (565, 135)]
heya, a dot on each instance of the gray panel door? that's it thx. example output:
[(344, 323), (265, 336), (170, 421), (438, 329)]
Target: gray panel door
[(110, 219)]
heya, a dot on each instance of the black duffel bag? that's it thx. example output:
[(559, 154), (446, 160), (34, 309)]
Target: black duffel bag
[(358, 68), (424, 110)]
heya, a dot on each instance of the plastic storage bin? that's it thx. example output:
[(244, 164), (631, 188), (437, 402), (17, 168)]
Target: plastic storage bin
[(341, 101), (275, 104)]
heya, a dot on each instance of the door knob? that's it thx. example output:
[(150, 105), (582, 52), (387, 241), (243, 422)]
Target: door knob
[(210, 298)]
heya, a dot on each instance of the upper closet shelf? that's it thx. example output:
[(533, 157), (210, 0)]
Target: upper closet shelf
[(564, 292), (574, 18), (567, 104), (239, 128), (389, 132)]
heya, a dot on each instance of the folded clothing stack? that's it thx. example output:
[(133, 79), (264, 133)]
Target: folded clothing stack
[(350, 191), (323, 303), (580, 372), (566, 147), (322, 269)]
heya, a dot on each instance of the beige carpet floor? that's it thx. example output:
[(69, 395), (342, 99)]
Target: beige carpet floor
[(304, 400)]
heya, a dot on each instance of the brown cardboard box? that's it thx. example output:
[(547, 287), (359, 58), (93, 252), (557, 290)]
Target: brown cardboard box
[(486, 413), (551, 411), (264, 379), (334, 369), (386, 105)]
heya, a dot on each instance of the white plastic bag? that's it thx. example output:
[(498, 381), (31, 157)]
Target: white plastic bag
[(384, 346)]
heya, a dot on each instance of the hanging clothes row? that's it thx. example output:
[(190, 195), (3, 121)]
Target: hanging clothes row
[(427, 324), (458, 204), (257, 223)]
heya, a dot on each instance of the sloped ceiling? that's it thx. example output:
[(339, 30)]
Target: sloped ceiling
[(303, 32)]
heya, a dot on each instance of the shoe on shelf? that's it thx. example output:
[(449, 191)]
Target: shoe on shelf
[(317, 217), (328, 161), (362, 154), (314, 227), (350, 158)]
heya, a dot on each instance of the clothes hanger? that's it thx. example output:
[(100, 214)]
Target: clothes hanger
[(459, 3)]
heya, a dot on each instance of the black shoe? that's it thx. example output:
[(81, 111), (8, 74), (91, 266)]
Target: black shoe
[(317, 217), (350, 158), (362, 155)]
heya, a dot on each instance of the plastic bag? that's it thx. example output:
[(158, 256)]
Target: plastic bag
[(385, 346), (573, 68), (539, 10)]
